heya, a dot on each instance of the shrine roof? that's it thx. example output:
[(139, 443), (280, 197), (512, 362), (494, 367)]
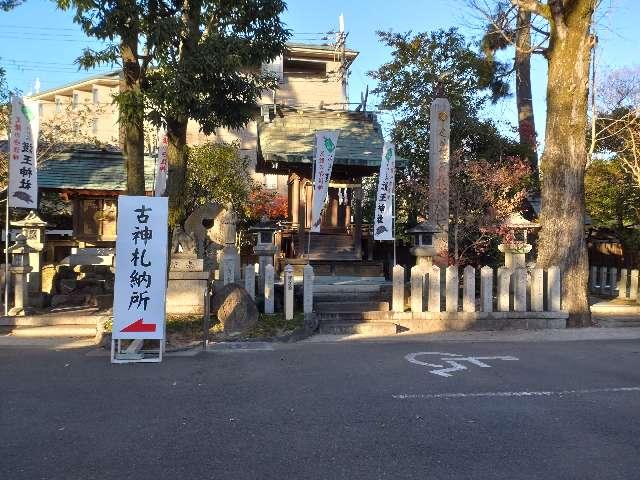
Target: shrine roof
[(289, 136), (89, 170)]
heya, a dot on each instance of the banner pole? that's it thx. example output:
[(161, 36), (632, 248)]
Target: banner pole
[(313, 192), (393, 205), (6, 252)]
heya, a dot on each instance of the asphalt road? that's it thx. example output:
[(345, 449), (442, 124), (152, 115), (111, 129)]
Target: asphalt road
[(326, 411)]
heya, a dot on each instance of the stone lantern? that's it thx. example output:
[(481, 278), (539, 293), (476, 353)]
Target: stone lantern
[(265, 247), (33, 228), (20, 268), (515, 247), (423, 243)]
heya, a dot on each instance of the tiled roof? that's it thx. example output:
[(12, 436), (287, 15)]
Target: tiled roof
[(290, 138), (90, 170)]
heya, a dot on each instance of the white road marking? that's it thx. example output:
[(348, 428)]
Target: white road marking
[(544, 393), (453, 360)]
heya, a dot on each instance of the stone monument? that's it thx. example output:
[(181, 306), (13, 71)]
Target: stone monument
[(440, 121), (423, 244), (188, 280), (265, 247), (205, 224), (230, 252)]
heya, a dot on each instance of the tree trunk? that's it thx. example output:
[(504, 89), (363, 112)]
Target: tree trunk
[(177, 159), (132, 114), (177, 124), (524, 100), (562, 237)]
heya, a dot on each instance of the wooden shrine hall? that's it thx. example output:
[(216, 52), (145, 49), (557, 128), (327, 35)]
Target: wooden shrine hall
[(285, 147)]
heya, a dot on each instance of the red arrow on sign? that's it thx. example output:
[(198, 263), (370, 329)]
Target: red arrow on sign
[(140, 326)]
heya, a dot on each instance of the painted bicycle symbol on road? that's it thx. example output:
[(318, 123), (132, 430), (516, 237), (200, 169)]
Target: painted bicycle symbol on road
[(449, 363)]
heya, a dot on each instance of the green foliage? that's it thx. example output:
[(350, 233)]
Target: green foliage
[(212, 75), (423, 67), (612, 199), (7, 5), (216, 172)]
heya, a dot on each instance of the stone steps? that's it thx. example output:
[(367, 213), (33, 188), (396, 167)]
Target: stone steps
[(351, 328), (72, 331), (350, 306), (73, 317)]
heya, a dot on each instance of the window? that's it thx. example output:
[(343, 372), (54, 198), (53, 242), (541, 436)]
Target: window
[(271, 181), (95, 96)]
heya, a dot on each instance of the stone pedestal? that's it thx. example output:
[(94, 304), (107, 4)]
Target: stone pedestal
[(308, 277), (21, 293), (187, 284), (288, 292), (515, 254)]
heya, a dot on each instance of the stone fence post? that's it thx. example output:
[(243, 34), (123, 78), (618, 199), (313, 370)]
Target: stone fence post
[(520, 290), (554, 289), (537, 290), (469, 289), (486, 289), (434, 289), (307, 287), (504, 281), (603, 280), (250, 280), (633, 285), (417, 287), (288, 292), (268, 289), (398, 289), (452, 284), (622, 283)]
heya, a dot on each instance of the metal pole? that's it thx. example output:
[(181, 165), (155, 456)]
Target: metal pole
[(393, 206), (313, 193), (6, 253)]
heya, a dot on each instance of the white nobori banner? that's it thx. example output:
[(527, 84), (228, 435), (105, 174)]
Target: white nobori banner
[(383, 217), (326, 143), (141, 268), (23, 165), (162, 166)]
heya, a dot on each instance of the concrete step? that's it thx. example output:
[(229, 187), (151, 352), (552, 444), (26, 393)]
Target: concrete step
[(73, 331), (85, 316), (330, 297), (350, 328), (347, 306)]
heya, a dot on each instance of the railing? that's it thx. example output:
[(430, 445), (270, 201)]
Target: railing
[(608, 281)]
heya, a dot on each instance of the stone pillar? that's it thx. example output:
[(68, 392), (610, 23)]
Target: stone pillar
[(357, 220), (294, 195), (307, 285), (398, 289), (417, 288), (537, 290), (250, 280), (228, 270), (469, 289), (633, 285), (452, 288), (288, 292), (520, 290), (439, 174), (622, 284), (268, 289), (613, 280), (486, 289), (593, 279), (554, 289), (504, 281), (603, 280), (434, 289), (33, 228)]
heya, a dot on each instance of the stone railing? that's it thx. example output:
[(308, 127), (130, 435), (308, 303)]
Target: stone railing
[(611, 282), (507, 298)]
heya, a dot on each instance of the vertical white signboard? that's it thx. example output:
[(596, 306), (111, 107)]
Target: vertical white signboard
[(326, 143), (162, 167), (23, 173), (383, 216), (141, 268)]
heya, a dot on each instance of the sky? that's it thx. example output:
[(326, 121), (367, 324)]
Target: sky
[(39, 41)]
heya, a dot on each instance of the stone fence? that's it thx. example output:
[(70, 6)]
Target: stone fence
[(611, 282)]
